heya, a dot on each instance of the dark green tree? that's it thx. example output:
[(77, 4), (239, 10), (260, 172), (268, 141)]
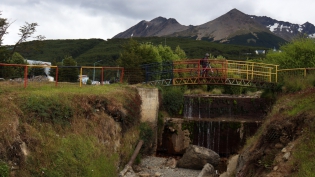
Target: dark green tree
[(36, 71), (68, 72), (131, 60), (15, 71), (134, 55)]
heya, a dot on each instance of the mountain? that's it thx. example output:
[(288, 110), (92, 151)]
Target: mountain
[(234, 27), (285, 30), (159, 26), (224, 27)]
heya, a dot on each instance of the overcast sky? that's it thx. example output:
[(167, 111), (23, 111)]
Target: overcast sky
[(85, 19)]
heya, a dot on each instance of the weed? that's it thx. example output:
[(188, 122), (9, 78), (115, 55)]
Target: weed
[(146, 134), (61, 138), (132, 105), (187, 125), (304, 155), (173, 100), (297, 83), (47, 109), (4, 169), (70, 155), (233, 90), (138, 159)]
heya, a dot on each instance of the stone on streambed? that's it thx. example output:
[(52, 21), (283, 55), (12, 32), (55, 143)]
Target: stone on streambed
[(196, 157)]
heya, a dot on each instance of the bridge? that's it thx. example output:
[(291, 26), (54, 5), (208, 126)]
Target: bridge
[(221, 72)]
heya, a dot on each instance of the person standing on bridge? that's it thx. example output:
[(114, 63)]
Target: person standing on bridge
[(205, 65)]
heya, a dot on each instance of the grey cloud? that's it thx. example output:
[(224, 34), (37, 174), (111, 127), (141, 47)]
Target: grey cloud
[(114, 16)]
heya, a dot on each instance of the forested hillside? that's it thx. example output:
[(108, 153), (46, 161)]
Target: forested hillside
[(88, 51)]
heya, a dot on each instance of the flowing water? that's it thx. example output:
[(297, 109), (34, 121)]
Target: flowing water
[(222, 123)]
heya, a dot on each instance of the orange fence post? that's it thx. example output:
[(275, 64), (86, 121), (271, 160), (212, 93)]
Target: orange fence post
[(122, 75), (25, 76), (102, 75)]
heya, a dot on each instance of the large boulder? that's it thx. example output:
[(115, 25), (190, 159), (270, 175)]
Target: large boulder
[(196, 157)]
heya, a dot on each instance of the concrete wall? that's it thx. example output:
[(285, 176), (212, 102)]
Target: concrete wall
[(149, 111), (150, 104)]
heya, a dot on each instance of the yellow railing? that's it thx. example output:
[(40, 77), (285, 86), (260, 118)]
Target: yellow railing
[(252, 71)]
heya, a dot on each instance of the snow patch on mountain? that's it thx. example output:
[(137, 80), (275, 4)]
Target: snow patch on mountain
[(273, 27)]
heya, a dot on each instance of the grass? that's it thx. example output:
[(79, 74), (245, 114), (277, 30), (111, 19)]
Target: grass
[(69, 155), (297, 107), (130, 142), (304, 155), (293, 83), (68, 129)]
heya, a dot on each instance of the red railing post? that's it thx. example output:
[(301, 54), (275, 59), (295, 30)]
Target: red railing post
[(102, 77), (122, 75), (25, 76)]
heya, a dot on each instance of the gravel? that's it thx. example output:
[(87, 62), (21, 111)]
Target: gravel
[(152, 166)]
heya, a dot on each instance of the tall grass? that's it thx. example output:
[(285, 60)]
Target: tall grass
[(294, 83), (304, 155), (67, 129), (68, 155)]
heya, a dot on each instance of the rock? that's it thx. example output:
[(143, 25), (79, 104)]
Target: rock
[(172, 129), (224, 175), (231, 167), (157, 174), (136, 168), (144, 174), (286, 156), (242, 160), (279, 146), (284, 139), (177, 140), (275, 168), (284, 150), (196, 157), (171, 163), (127, 172), (39, 79), (207, 171), (130, 174)]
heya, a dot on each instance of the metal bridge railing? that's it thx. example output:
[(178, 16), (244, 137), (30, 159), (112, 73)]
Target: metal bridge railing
[(252, 71), (222, 71), (296, 72)]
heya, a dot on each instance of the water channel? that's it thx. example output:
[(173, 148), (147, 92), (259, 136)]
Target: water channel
[(220, 123)]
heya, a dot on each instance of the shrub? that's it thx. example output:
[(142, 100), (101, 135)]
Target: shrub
[(234, 90), (4, 169), (173, 100), (133, 107), (47, 109), (297, 83), (146, 134), (89, 82)]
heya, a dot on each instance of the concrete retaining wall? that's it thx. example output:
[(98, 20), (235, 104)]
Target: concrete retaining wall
[(150, 104), (149, 111)]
